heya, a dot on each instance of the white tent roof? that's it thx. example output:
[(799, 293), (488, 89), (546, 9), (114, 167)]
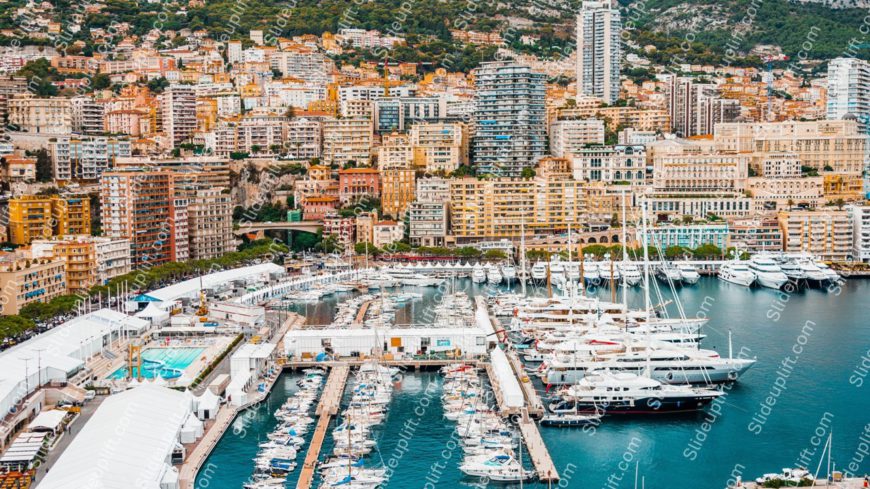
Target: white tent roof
[(57, 351), (510, 386), (153, 312), (48, 420), (255, 350), (190, 288), (208, 400), (126, 442)]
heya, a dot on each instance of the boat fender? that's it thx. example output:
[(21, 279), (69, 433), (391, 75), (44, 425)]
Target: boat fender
[(732, 375)]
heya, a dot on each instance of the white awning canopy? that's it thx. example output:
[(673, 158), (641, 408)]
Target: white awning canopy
[(48, 420)]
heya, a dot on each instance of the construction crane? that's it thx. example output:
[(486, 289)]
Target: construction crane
[(769, 60)]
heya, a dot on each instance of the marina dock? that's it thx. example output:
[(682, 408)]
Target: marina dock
[(538, 452), (328, 406)]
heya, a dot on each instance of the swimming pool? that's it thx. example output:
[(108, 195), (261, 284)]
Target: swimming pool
[(169, 363)]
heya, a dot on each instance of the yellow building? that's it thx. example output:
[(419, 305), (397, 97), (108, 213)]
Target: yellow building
[(79, 255), (24, 280), (825, 233), (500, 207), (848, 187), (398, 187), (33, 217)]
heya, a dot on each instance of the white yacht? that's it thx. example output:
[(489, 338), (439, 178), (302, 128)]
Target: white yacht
[(688, 273), (829, 273), (767, 272), (500, 467), (609, 271), (792, 270), (509, 272), (478, 274), (572, 271), (668, 273), (557, 273), (627, 393), (631, 273), (736, 272), (668, 363), (539, 271), (493, 275), (813, 273), (591, 273)]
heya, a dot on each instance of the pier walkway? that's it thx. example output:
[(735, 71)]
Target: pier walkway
[(361, 315), (533, 401), (538, 452), (328, 406)]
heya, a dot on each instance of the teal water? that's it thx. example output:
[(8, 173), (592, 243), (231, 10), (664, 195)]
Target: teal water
[(168, 362), (758, 428)]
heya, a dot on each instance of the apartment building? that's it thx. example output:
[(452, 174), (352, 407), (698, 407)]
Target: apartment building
[(428, 223), (825, 233), (860, 217), (17, 169), (397, 113), (79, 256), (190, 173), (509, 118), (86, 115), (610, 164), (136, 205), (397, 191), (695, 179), (26, 280), (261, 133), (86, 158), (656, 120), (826, 145), (499, 208), (357, 183), (755, 234), (695, 108), (572, 136), (599, 50), (346, 140), (35, 115), (178, 113), (433, 189), (37, 217), (210, 228), (688, 236), (395, 152), (849, 90), (439, 146), (304, 138), (781, 186)]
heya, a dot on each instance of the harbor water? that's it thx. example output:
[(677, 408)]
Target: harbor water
[(812, 351)]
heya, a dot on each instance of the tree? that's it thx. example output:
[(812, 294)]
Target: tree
[(101, 81), (535, 255), (495, 255), (363, 248), (528, 172), (596, 250), (674, 252), (468, 252), (707, 251), (330, 244), (44, 168), (303, 241), (839, 203)]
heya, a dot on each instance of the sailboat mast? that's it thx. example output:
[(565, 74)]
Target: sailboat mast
[(624, 257), (645, 262), (523, 275)]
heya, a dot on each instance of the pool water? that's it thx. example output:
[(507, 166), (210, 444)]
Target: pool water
[(169, 363)]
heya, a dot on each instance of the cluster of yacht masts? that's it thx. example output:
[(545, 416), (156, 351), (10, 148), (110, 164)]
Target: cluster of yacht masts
[(276, 458), (353, 440), (486, 439), (604, 358)]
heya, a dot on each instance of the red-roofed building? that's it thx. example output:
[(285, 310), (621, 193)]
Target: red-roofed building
[(316, 208)]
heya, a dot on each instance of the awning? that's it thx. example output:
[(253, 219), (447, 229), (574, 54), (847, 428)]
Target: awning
[(48, 420), (145, 298)]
